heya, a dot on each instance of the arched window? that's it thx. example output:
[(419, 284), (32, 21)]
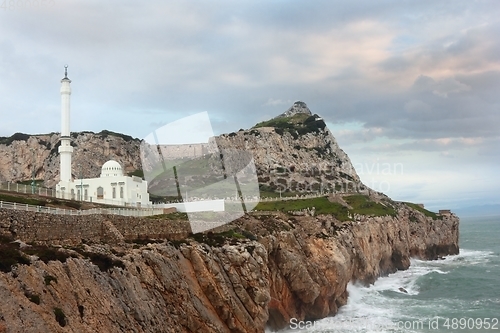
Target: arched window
[(100, 193)]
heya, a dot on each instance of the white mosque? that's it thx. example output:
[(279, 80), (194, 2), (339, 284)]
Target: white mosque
[(112, 187)]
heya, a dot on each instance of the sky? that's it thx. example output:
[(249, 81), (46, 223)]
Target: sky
[(410, 89)]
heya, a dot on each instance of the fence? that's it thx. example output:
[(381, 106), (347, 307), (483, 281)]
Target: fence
[(21, 188), (60, 211)]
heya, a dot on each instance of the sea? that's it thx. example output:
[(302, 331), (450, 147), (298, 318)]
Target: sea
[(460, 293)]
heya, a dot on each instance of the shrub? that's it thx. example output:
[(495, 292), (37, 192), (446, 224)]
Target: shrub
[(15, 137), (48, 279), (60, 316), (33, 298)]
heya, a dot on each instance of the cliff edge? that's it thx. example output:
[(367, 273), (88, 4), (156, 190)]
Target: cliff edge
[(260, 271)]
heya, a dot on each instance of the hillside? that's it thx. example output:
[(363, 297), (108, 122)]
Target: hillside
[(286, 259), (22, 154), (294, 153)]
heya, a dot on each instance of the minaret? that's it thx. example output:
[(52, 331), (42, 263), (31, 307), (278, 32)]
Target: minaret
[(65, 149)]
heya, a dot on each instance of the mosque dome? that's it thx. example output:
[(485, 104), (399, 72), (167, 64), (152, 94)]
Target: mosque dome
[(111, 169)]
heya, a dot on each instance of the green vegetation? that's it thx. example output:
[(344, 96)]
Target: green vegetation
[(363, 206), (48, 279), (21, 200), (424, 211), (170, 216), (296, 125), (217, 239), (360, 204), (15, 137), (34, 298), (322, 205), (38, 182), (137, 172), (105, 133), (60, 316)]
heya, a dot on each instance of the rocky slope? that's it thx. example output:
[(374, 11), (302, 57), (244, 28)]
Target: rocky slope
[(261, 271), (293, 152), (21, 155)]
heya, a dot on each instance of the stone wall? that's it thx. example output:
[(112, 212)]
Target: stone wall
[(65, 229)]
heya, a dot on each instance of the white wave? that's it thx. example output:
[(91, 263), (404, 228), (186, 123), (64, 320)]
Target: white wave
[(379, 307)]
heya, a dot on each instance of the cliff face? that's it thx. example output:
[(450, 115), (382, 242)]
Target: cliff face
[(263, 270), (293, 152), (21, 155)]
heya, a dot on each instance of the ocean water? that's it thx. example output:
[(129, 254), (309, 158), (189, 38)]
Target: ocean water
[(458, 294)]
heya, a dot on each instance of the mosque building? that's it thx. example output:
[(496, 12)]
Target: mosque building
[(112, 187)]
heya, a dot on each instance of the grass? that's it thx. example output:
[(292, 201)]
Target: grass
[(296, 125), (360, 204), (38, 182), (105, 133), (21, 200), (283, 122), (322, 205), (170, 216), (424, 211), (363, 206)]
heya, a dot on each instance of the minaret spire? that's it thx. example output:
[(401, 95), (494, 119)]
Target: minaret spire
[(65, 149)]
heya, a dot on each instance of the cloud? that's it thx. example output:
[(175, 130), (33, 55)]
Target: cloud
[(274, 102), (410, 73)]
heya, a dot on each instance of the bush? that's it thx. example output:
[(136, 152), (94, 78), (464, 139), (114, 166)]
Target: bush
[(60, 316), (33, 298), (15, 137)]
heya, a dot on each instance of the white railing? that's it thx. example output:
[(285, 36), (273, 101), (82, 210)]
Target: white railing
[(60, 211)]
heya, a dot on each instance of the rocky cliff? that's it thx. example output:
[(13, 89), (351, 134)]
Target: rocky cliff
[(259, 271), (23, 155), (294, 152)]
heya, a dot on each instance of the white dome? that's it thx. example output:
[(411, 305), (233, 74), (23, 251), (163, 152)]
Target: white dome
[(111, 169)]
